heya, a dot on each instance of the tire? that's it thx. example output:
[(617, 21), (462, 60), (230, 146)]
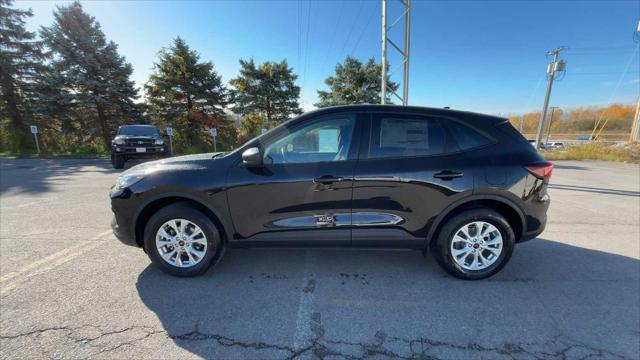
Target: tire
[(482, 249), (183, 212), (117, 161)]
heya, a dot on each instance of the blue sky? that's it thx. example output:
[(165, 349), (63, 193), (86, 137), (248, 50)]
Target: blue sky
[(486, 56)]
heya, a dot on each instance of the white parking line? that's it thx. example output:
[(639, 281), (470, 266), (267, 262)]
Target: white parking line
[(12, 279)]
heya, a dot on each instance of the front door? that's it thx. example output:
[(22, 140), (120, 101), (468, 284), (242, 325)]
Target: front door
[(302, 194)]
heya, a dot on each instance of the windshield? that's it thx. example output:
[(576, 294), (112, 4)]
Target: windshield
[(138, 130)]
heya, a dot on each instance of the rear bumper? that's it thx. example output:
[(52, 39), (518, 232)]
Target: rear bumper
[(536, 222)]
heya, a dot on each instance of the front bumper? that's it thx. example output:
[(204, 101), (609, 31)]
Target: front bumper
[(123, 232), (131, 150)]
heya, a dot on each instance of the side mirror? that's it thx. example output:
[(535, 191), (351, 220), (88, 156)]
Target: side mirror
[(252, 157)]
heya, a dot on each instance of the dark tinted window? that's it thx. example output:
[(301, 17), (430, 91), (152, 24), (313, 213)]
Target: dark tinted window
[(404, 136), (138, 130), (466, 137)]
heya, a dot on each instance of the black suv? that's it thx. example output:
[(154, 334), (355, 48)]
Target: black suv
[(136, 141), (466, 187)]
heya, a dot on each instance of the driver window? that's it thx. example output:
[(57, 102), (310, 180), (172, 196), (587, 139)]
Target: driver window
[(328, 139)]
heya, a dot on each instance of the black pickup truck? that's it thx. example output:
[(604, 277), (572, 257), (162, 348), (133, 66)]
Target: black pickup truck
[(136, 141)]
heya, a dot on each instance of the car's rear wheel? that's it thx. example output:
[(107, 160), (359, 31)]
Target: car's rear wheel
[(181, 240), (117, 161), (474, 244)]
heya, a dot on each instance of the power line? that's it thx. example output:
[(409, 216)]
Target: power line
[(373, 12), (353, 25), (594, 135), (306, 49), (333, 35)]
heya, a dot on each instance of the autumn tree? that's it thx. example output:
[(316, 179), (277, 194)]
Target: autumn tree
[(354, 83), (20, 61), (250, 127), (86, 74), (187, 94), (618, 117), (267, 90)]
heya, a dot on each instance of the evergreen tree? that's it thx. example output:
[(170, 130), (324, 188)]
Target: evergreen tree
[(20, 61), (354, 83), (187, 94), (86, 74), (268, 90)]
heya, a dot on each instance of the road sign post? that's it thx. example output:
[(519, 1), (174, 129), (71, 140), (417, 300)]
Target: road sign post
[(170, 135), (214, 134), (34, 131)]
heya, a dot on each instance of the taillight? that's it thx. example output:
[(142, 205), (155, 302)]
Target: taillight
[(540, 170)]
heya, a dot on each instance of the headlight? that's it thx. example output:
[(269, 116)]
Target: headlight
[(159, 142), (127, 181), (119, 141)]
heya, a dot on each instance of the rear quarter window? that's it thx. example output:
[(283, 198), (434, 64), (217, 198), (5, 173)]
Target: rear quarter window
[(466, 137), (404, 136)]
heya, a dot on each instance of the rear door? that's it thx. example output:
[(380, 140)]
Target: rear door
[(410, 170)]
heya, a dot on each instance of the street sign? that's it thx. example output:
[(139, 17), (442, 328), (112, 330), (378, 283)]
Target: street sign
[(169, 131), (214, 134), (34, 131)]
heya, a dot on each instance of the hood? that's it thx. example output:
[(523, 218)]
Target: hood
[(187, 162), (136, 137)]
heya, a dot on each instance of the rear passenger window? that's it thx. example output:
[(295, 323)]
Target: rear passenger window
[(466, 137), (399, 136)]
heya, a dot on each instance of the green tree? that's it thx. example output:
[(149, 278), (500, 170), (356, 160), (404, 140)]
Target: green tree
[(250, 127), (86, 74), (186, 93), (20, 61), (354, 83), (268, 90)]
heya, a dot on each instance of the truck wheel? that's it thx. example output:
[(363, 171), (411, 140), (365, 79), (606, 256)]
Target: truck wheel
[(182, 241), (474, 244), (117, 161)]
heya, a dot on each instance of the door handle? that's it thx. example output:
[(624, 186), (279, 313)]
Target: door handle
[(328, 179), (448, 175)]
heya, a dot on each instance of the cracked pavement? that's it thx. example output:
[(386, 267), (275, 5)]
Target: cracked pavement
[(70, 290)]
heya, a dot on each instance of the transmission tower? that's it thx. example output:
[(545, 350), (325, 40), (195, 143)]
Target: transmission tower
[(404, 52)]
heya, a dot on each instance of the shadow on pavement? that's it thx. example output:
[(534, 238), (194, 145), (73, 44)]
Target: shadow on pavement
[(552, 301), (568, 167), (39, 175), (594, 190)]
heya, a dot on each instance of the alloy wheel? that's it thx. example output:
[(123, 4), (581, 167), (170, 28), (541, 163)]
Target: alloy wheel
[(476, 245), (181, 243)]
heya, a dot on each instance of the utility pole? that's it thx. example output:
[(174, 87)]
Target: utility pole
[(554, 67), (553, 108), (521, 121), (635, 128), (404, 52)]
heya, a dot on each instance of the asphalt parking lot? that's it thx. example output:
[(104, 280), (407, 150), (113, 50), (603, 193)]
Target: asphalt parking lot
[(69, 289)]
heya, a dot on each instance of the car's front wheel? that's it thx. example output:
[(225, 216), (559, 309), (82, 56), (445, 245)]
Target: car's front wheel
[(181, 240), (474, 244)]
